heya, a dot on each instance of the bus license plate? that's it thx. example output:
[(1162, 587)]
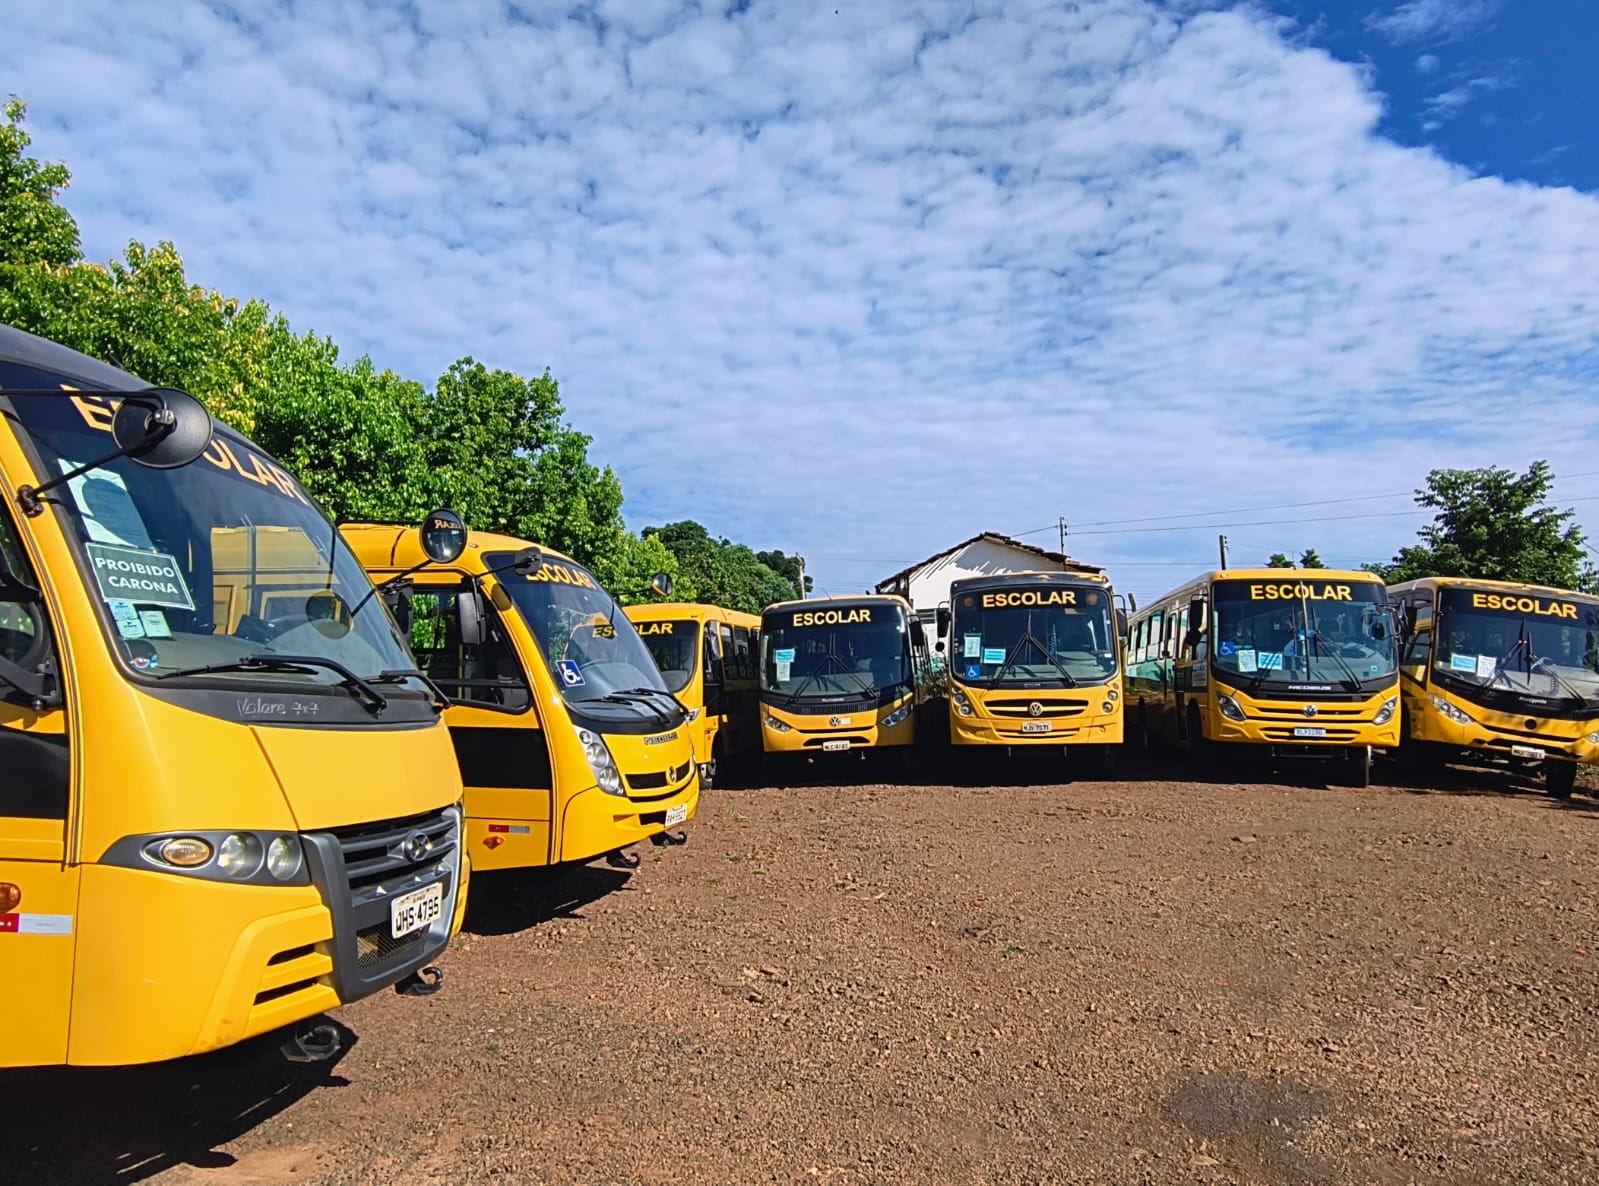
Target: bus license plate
[(1528, 751), (836, 745), (1309, 731), (416, 910), (1037, 726), (676, 815)]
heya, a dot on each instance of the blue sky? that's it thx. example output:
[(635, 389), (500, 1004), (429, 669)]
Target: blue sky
[(861, 281)]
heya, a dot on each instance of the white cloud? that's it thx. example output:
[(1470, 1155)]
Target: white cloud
[(1427, 64), (865, 283), (1433, 20)]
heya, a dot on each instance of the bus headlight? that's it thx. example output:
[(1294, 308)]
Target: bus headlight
[(1386, 712), (1229, 707), (283, 858), (777, 726), (239, 855), (962, 705), (1113, 694), (606, 775), (1450, 711), (1108, 706), (186, 852), (897, 717)]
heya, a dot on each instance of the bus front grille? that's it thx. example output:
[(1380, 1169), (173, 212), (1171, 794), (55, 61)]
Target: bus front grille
[(361, 871), (1049, 707)]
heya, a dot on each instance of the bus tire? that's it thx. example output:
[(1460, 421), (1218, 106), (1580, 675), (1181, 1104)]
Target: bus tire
[(1358, 760), (1146, 740), (1560, 778)]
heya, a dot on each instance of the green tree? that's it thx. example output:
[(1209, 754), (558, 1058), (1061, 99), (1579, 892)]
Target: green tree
[(35, 230), (1498, 525), (627, 568), (790, 568), (1309, 559), (1279, 560), (724, 573)]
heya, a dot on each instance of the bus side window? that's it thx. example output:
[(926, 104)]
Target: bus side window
[(741, 653), (1418, 645), (1179, 634), (1157, 640), (713, 653), (36, 762), (729, 657), (487, 675)]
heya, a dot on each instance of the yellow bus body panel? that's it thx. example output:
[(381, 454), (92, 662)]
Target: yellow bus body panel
[(809, 732), (1076, 715)]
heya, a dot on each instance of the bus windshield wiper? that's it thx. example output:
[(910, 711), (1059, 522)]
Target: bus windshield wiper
[(401, 674), (365, 694), (644, 696), (1016, 652), (657, 692), (1315, 641)]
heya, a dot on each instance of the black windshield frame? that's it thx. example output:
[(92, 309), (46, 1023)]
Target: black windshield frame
[(833, 677)]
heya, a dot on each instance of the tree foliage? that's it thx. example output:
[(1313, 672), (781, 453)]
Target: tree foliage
[(1494, 524), (1307, 559), (724, 573)]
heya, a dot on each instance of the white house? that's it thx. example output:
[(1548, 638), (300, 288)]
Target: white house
[(926, 585)]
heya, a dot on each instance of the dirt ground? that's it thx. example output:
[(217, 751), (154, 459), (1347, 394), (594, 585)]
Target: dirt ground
[(1143, 980)]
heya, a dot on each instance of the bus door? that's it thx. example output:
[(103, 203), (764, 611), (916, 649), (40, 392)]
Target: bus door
[(1416, 617), (1182, 669), (461, 640), (38, 885), (715, 680)]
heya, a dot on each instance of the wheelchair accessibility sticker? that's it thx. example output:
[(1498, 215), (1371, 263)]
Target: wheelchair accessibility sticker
[(570, 675)]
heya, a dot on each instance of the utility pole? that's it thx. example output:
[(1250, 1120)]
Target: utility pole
[(1222, 540), (802, 578), (1063, 535)]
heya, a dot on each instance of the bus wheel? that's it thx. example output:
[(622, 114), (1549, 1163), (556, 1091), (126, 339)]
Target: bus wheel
[(1146, 740), (1560, 778), (1359, 762)]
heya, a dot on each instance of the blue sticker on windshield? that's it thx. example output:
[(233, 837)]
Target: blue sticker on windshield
[(993, 654), (1227, 649), (570, 675), (974, 671), (1463, 662), (786, 655)]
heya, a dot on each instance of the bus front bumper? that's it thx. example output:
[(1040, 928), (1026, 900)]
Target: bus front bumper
[(980, 730), (1511, 738), (595, 823)]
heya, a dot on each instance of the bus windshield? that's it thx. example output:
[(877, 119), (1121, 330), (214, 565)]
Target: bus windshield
[(1539, 646), (219, 561), (1302, 630), (858, 651), (1011, 635), (593, 650), (674, 646)]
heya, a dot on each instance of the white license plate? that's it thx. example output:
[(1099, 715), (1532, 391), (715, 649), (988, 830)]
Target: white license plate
[(835, 745), (1528, 751), (1309, 731), (1037, 726), (676, 815), (416, 910)]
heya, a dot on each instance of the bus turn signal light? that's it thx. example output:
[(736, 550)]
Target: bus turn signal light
[(493, 841), (10, 896)]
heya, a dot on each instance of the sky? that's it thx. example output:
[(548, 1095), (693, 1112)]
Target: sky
[(863, 280)]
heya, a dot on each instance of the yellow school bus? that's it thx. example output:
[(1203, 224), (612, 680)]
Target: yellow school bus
[(222, 812), (840, 674), (569, 743), (707, 655), (1033, 660), (1498, 672), (1282, 662)]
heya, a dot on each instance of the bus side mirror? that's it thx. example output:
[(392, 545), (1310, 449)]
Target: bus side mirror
[(1121, 624), (443, 535), (918, 635), (470, 611), (1132, 603), (661, 584), (1196, 613), (943, 622), (939, 646)]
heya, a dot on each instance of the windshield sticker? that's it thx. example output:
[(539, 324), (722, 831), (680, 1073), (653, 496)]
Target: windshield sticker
[(1246, 660), (132, 574), (155, 623), (127, 618), (972, 647), (784, 667), (993, 654), (1227, 650), (974, 671), (570, 675), (1487, 666), (1463, 662), (784, 655), (106, 508), (1270, 660)]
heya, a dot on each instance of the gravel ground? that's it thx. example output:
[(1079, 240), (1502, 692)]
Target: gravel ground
[(1146, 980)]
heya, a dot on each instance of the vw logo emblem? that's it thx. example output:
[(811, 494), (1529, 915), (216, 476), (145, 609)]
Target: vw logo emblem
[(1035, 709), (417, 846), (834, 722), (1310, 710)]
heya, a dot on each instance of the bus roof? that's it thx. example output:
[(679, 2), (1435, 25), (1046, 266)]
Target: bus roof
[(843, 601), (1299, 575), (1491, 586), (404, 546), (1044, 577), (31, 350), (651, 611)]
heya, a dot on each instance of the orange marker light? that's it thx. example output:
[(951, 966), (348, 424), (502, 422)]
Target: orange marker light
[(10, 896), (494, 841)]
